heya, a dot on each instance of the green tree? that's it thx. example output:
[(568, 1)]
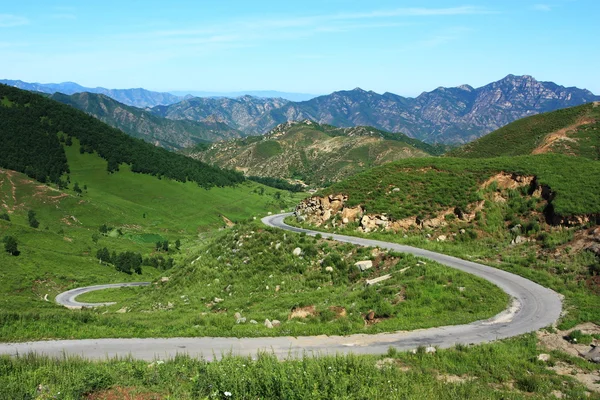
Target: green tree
[(165, 245), (33, 222), (5, 217), (76, 188), (10, 245), (95, 237), (177, 244)]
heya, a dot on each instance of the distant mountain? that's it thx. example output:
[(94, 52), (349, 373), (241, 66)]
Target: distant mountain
[(252, 115), (444, 115), (132, 97), (572, 131), (254, 93), (171, 134), (313, 153)]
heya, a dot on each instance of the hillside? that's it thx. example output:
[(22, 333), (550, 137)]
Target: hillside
[(132, 97), (572, 131), (313, 153), (33, 127), (167, 133), (444, 115)]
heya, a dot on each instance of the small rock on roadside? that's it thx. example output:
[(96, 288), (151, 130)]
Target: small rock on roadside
[(364, 265), (275, 323), (430, 349), (268, 324)]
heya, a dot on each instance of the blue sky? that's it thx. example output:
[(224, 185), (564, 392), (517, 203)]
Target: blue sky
[(404, 47)]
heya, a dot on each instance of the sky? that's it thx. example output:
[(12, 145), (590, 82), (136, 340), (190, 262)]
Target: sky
[(403, 47)]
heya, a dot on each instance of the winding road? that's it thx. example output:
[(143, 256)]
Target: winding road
[(533, 307)]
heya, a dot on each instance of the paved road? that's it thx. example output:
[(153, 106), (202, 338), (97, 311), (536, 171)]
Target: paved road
[(67, 298), (533, 307)]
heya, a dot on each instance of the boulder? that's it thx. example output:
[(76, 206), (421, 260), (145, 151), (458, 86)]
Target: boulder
[(380, 279), (364, 265), (593, 355), (544, 357), (297, 251), (352, 214), (268, 324), (241, 320), (253, 322), (237, 315), (217, 300), (442, 238), (430, 350), (275, 323), (329, 269)]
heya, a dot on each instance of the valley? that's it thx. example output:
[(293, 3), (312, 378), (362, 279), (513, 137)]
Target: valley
[(88, 205)]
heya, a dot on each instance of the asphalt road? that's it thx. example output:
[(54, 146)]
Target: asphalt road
[(67, 298), (533, 307)]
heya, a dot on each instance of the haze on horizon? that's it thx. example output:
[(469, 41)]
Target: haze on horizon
[(318, 47)]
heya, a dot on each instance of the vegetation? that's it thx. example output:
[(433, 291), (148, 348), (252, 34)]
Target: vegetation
[(314, 153), (427, 186), (251, 270), (277, 183), (29, 142), (576, 131), (61, 253), (504, 370)]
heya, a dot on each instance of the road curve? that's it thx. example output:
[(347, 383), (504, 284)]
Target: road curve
[(67, 298), (533, 307)]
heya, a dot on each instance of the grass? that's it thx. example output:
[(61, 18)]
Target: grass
[(60, 254), (429, 185), (251, 270), (523, 136), (504, 370)]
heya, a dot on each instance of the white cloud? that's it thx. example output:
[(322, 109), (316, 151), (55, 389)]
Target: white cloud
[(9, 20)]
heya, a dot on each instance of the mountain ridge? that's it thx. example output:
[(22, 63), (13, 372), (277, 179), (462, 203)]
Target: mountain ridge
[(444, 115)]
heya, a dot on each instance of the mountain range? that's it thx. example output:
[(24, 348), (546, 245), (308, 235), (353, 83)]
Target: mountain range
[(444, 115), (137, 122), (454, 115)]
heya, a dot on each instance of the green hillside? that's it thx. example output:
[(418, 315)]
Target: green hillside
[(426, 186), (313, 153), (33, 127), (142, 124), (571, 131)]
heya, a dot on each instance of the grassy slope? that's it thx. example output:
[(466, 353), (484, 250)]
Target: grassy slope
[(522, 137), (430, 185), (314, 153), (504, 370), (60, 254)]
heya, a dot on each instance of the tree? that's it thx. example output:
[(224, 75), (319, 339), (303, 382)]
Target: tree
[(10, 245), (103, 255), (158, 246), (103, 229), (33, 222), (5, 217), (165, 245), (177, 244), (95, 237), (76, 188)]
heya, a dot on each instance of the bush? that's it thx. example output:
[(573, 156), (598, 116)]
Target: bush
[(10, 245), (5, 217)]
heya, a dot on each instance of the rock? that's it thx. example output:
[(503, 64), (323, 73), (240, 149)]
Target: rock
[(462, 289), (277, 288), (345, 220), (277, 246), (371, 316), (428, 236), (237, 315), (462, 231), (516, 228), (268, 324), (269, 213), (593, 355), (351, 214), (364, 265), (395, 189), (217, 300), (430, 350), (275, 323), (518, 240), (441, 238), (241, 320), (253, 322), (297, 251), (329, 269), (377, 280), (164, 279), (544, 357), (122, 310)]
